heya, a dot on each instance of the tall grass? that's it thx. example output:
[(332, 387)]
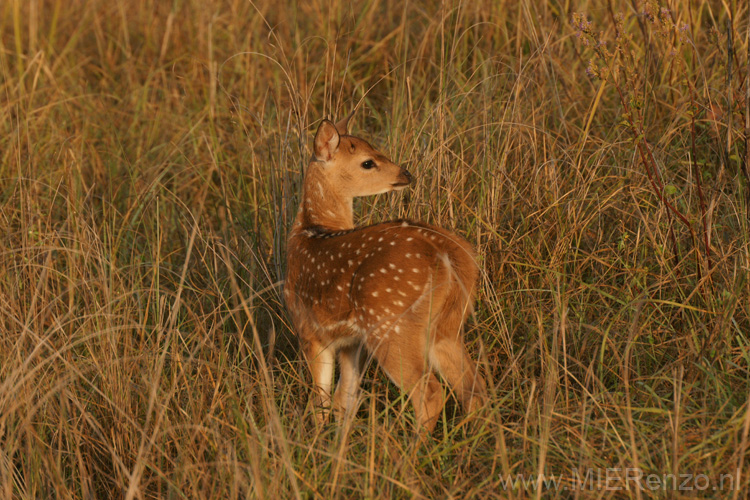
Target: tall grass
[(151, 155)]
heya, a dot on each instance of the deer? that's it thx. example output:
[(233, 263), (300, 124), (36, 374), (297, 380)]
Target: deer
[(397, 292)]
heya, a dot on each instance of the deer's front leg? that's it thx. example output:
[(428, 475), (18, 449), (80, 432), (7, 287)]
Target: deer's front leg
[(320, 359), (351, 362)]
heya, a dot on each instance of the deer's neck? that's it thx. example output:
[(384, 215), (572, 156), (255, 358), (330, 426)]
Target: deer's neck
[(322, 205)]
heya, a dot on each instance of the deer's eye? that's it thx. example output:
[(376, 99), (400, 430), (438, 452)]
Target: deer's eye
[(368, 164)]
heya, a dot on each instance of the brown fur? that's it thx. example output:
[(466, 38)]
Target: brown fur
[(401, 290)]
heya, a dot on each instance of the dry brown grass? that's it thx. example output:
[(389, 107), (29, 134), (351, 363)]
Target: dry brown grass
[(150, 160)]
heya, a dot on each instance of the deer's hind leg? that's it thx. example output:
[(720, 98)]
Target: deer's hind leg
[(402, 355), (454, 363), (448, 354)]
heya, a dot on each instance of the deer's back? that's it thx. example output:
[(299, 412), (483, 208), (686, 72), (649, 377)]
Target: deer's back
[(358, 279)]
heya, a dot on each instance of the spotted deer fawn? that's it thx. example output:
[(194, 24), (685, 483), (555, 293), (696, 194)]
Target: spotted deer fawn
[(401, 290)]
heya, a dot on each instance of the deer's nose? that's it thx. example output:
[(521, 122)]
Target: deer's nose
[(406, 174)]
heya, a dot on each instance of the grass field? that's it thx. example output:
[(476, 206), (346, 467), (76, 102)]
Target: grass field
[(151, 154)]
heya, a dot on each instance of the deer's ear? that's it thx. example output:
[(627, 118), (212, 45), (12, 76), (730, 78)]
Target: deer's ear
[(326, 141), (343, 125)]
